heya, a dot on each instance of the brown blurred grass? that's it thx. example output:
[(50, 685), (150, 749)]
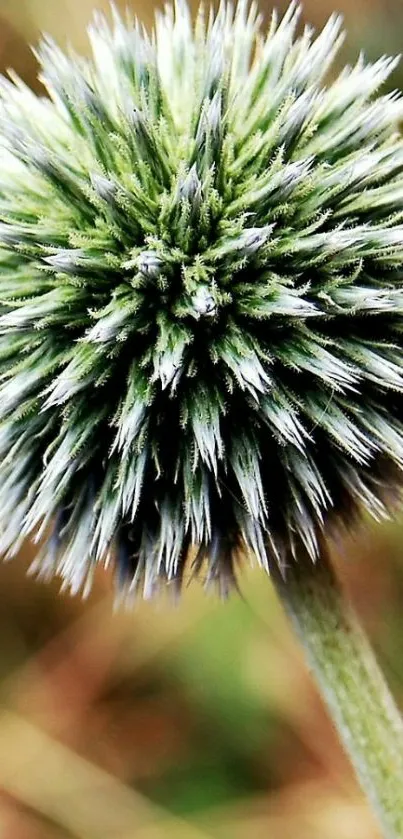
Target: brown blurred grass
[(196, 721)]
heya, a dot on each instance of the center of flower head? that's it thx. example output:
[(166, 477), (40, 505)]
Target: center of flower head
[(183, 293), (179, 273)]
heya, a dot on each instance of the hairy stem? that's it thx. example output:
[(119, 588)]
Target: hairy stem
[(343, 664)]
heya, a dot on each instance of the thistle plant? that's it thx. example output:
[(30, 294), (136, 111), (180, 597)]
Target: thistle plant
[(201, 295)]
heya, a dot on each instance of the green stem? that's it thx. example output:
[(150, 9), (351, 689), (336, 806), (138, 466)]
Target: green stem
[(363, 711)]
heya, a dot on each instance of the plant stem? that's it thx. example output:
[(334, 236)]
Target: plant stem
[(339, 656)]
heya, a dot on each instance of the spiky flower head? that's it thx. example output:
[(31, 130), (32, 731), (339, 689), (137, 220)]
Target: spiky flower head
[(201, 296)]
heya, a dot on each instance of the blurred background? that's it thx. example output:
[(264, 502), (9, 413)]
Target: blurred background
[(197, 721)]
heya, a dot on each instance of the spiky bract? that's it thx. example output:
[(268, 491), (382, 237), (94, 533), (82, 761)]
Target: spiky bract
[(201, 296)]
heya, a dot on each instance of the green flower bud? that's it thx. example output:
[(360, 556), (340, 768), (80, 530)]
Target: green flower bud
[(201, 297)]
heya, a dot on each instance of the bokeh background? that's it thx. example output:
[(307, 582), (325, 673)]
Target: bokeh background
[(194, 721)]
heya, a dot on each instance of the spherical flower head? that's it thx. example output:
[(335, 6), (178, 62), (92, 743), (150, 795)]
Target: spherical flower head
[(201, 292)]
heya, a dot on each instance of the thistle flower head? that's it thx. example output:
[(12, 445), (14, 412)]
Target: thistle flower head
[(201, 296)]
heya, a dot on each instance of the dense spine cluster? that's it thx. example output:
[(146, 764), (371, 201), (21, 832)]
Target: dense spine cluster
[(201, 296)]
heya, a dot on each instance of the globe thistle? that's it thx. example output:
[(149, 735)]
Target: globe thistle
[(201, 272)]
